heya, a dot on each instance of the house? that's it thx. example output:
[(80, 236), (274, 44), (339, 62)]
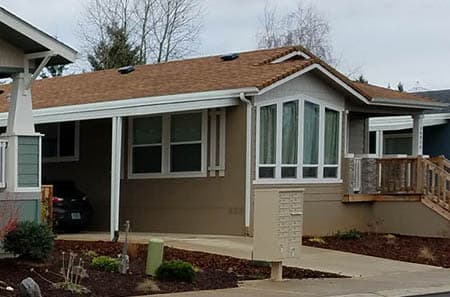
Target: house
[(397, 134), (182, 146)]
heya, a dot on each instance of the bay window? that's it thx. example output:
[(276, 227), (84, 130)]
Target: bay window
[(168, 145), (298, 140)]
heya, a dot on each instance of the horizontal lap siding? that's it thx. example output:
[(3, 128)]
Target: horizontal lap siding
[(28, 162), (213, 205)]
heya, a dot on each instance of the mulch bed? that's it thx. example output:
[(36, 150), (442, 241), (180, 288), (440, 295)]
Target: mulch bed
[(423, 250), (216, 272)]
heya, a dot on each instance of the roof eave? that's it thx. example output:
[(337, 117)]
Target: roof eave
[(408, 103), (63, 51)]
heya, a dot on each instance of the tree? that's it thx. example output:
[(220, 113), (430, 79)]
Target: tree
[(362, 79), (400, 87), (303, 26), (114, 52), (160, 30), (53, 71)]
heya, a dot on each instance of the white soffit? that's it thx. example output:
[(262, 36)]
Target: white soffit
[(31, 40), (406, 122)]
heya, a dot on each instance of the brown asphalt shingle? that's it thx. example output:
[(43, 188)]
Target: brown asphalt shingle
[(251, 69)]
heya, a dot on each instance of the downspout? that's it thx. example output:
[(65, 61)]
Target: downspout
[(248, 161)]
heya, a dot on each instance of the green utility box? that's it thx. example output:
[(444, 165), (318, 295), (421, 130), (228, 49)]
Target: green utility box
[(155, 254)]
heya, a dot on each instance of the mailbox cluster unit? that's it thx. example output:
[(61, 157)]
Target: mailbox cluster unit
[(278, 224)]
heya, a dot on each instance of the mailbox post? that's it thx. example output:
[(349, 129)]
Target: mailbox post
[(278, 225), (24, 52)]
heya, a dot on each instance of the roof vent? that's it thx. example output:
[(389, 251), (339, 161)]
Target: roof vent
[(229, 57), (126, 69)]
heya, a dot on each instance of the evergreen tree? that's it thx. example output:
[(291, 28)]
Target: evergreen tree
[(53, 71), (115, 51), (362, 79)]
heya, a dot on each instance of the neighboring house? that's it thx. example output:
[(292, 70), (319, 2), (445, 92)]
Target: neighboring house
[(394, 134), (181, 146)]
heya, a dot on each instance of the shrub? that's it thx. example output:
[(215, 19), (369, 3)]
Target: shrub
[(106, 263), (30, 240), (318, 240), (350, 234), (176, 270)]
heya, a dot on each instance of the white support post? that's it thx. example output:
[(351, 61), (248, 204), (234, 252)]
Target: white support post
[(116, 146), (417, 141), (379, 143)]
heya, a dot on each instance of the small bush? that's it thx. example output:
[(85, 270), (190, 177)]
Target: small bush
[(176, 270), (30, 241), (350, 234), (106, 263)]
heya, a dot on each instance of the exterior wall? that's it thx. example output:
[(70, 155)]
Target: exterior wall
[(409, 218), (212, 205), (91, 173), (357, 134), (11, 56), (324, 212), (436, 140)]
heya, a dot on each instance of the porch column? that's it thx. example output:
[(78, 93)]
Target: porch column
[(417, 140), (116, 148), (379, 143)]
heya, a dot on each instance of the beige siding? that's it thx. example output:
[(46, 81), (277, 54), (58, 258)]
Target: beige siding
[(409, 218), (10, 55), (188, 205), (92, 172)]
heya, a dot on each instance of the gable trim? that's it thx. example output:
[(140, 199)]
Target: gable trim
[(289, 56)]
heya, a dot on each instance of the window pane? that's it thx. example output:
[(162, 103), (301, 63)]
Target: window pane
[(147, 130), (147, 159), (186, 127), (290, 132), (331, 136), (67, 139), (288, 172), (309, 172), (266, 172), (50, 139), (267, 135), (311, 134), (185, 157), (330, 172)]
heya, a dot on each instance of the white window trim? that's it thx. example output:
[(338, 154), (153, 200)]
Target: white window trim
[(75, 157), (166, 145), (299, 180)]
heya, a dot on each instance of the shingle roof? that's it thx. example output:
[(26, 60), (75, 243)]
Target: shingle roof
[(438, 95), (251, 69)]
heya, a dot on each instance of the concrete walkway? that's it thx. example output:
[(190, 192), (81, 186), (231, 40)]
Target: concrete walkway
[(372, 277), (241, 247)]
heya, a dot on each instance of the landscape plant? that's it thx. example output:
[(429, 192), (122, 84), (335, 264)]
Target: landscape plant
[(176, 270), (105, 263), (349, 234), (30, 241)]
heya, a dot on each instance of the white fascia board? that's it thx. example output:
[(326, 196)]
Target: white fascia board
[(137, 106), (409, 103), (289, 56), (37, 35), (406, 122)]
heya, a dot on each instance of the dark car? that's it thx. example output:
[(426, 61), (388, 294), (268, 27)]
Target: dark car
[(71, 210)]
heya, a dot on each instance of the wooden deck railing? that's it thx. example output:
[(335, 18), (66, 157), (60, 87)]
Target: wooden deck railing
[(427, 177), (398, 175)]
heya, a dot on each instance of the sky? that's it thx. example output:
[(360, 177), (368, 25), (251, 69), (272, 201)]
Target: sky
[(386, 40)]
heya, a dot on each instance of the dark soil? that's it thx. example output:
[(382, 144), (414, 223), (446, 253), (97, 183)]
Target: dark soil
[(423, 250), (215, 272)]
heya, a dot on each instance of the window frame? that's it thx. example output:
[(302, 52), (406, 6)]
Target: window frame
[(278, 166), (166, 145), (58, 158)]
